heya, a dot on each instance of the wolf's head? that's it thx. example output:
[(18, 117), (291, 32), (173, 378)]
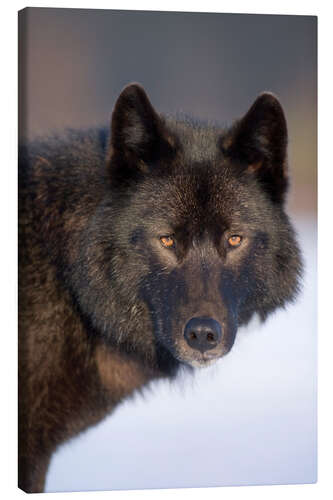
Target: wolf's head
[(197, 237)]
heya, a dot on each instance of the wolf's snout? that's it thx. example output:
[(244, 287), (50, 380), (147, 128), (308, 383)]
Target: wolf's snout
[(203, 333)]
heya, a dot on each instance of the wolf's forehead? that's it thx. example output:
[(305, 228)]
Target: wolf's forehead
[(198, 142)]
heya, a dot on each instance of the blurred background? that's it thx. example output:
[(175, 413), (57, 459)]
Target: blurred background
[(252, 418)]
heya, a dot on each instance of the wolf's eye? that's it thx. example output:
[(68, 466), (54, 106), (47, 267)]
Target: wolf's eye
[(235, 240), (167, 241)]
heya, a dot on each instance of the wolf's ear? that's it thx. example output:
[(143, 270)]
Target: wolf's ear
[(259, 142), (137, 131)]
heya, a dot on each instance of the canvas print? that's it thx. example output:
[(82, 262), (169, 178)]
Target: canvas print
[(167, 269)]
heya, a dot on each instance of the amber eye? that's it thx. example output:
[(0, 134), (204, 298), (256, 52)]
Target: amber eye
[(167, 241), (235, 240)]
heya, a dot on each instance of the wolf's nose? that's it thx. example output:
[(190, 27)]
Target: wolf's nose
[(203, 333)]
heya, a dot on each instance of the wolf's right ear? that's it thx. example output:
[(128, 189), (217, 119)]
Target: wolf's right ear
[(138, 133)]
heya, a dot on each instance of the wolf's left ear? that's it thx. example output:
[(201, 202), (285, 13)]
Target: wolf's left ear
[(259, 142), (137, 131)]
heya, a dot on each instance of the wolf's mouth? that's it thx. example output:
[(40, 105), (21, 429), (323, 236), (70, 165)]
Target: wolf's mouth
[(203, 362), (199, 361)]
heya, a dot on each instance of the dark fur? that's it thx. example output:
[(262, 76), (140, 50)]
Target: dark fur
[(102, 304)]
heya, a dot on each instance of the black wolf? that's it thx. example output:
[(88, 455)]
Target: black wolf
[(140, 253)]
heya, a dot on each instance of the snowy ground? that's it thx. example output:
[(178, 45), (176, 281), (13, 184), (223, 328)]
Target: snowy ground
[(251, 419)]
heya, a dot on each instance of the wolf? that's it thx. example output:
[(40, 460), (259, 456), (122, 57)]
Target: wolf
[(142, 250)]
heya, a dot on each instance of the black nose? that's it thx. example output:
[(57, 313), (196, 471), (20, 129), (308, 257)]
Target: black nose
[(203, 333)]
